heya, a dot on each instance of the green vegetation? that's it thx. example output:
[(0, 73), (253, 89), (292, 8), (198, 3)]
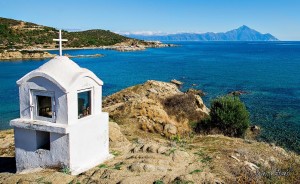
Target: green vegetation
[(171, 151), (103, 166), (203, 157), (115, 153), (228, 116), (117, 166), (65, 170), (158, 182), (18, 34)]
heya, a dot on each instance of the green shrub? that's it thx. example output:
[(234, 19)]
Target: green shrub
[(229, 115)]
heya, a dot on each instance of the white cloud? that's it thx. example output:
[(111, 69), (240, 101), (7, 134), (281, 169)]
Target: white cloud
[(152, 33)]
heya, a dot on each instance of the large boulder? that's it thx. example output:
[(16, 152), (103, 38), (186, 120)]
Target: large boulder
[(143, 107)]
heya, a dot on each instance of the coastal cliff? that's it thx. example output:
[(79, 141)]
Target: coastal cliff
[(38, 55), (9, 55), (154, 143)]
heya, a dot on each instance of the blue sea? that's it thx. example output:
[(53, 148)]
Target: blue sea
[(268, 71)]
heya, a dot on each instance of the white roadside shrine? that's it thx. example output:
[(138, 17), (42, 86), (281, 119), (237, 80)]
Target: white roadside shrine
[(61, 121)]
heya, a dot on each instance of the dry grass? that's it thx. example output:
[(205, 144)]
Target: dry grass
[(183, 106)]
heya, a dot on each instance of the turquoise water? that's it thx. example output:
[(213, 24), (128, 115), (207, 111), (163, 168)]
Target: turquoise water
[(269, 71)]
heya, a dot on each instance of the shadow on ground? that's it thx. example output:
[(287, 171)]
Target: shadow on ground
[(7, 164)]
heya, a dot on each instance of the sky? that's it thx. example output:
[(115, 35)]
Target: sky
[(281, 18)]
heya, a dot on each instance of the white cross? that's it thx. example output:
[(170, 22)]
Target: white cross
[(60, 42)]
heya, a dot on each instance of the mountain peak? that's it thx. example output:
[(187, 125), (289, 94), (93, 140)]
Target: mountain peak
[(244, 27)]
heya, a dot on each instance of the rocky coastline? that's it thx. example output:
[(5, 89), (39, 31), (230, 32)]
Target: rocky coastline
[(151, 145), (18, 55), (38, 53)]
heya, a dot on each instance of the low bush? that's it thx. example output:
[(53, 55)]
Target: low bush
[(228, 115)]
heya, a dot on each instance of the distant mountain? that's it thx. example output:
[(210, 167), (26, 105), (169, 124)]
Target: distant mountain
[(243, 33)]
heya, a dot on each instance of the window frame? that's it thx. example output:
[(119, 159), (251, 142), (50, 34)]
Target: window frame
[(91, 103), (34, 105)]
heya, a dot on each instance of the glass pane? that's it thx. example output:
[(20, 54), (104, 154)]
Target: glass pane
[(84, 104), (44, 107)]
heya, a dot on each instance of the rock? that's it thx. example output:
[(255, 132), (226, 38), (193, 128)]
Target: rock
[(137, 167), (280, 150), (195, 92), (159, 168), (149, 168), (137, 149), (152, 90), (116, 138), (170, 129), (273, 160), (255, 128), (180, 155), (237, 93), (153, 148), (235, 158), (8, 55), (162, 150), (145, 147), (251, 166), (201, 106), (142, 108), (178, 83)]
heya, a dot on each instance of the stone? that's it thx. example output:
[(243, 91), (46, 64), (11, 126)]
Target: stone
[(255, 128), (251, 166), (237, 93), (116, 138), (152, 90), (145, 110), (180, 155), (178, 83), (149, 168), (137, 167), (195, 92), (162, 150), (170, 129), (146, 147), (235, 158), (153, 148)]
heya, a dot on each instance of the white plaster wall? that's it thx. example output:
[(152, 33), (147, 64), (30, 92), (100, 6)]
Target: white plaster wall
[(73, 107), (42, 84), (29, 157), (89, 141), (72, 101)]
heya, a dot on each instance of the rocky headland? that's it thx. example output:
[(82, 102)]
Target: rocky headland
[(18, 55), (152, 140), (35, 55)]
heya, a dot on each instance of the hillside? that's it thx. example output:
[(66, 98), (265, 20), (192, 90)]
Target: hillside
[(25, 35), (242, 33), (151, 145)]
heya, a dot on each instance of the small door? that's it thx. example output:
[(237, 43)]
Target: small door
[(43, 106)]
